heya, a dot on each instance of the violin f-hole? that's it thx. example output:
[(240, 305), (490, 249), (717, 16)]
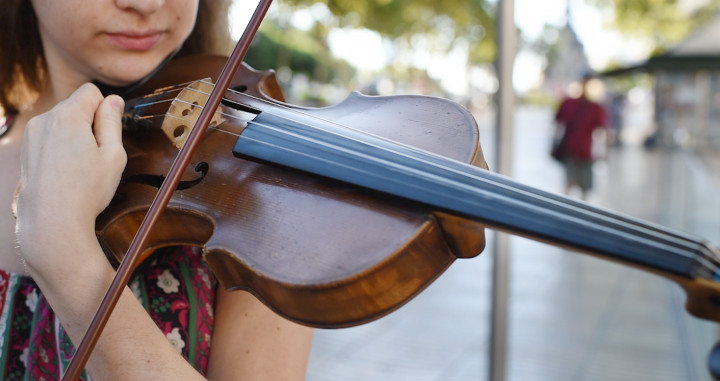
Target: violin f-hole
[(156, 180)]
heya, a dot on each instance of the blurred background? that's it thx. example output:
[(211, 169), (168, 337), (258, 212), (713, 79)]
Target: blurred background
[(656, 72)]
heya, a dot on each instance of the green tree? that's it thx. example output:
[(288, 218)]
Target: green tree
[(443, 23), (434, 26), (273, 48), (662, 22)]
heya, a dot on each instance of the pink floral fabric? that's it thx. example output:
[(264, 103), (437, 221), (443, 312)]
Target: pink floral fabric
[(175, 287)]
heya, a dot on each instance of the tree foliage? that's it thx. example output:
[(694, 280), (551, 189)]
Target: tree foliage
[(663, 22), (432, 27), (442, 23), (272, 48)]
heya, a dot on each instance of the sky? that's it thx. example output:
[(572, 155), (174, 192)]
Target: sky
[(601, 45)]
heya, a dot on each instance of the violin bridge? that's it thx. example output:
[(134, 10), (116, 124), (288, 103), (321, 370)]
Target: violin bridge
[(185, 109)]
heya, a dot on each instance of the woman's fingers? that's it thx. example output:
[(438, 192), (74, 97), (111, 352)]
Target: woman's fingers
[(72, 160), (108, 126)]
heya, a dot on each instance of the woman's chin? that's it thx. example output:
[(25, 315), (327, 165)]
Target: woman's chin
[(125, 76), (123, 81)]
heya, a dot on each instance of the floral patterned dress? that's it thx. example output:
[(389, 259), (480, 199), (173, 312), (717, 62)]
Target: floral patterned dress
[(175, 287)]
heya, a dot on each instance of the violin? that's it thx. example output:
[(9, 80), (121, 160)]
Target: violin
[(337, 216)]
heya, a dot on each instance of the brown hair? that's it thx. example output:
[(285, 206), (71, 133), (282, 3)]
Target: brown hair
[(23, 67)]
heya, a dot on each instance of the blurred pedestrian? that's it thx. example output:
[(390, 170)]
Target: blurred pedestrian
[(578, 119)]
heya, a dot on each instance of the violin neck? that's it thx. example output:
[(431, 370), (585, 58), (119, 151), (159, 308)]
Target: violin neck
[(375, 163)]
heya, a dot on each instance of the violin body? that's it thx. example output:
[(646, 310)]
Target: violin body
[(317, 251)]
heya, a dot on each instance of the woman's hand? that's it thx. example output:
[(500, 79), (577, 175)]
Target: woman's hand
[(71, 165)]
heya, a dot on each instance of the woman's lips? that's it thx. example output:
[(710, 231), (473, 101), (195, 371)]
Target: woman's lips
[(136, 41)]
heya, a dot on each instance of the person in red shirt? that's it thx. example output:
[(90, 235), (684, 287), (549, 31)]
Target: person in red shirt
[(578, 119)]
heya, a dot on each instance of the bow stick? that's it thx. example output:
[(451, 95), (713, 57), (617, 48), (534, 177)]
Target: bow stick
[(129, 262)]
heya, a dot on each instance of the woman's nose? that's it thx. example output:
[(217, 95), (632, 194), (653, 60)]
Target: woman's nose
[(141, 6)]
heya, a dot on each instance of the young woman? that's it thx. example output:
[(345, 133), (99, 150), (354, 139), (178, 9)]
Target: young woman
[(62, 143)]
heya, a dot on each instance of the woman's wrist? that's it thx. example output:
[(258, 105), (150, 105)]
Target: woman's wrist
[(50, 244), (70, 264)]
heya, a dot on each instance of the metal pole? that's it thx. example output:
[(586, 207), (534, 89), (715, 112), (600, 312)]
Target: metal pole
[(506, 43)]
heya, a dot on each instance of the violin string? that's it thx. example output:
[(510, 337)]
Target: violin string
[(159, 116), (532, 195), (148, 104), (296, 121), (376, 136), (704, 260), (171, 89)]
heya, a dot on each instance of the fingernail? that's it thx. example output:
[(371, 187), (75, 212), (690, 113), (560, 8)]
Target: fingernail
[(117, 102)]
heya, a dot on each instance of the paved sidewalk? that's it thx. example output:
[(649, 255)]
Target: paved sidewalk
[(573, 317)]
